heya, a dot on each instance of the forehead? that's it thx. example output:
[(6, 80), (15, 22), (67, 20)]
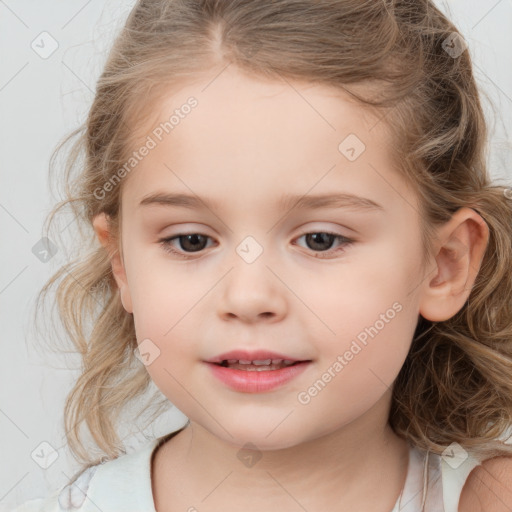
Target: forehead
[(251, 139)]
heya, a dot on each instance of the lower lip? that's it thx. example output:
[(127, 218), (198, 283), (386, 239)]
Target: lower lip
[(256, 381)]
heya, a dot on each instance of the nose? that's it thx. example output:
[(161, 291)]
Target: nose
[(251, 292)]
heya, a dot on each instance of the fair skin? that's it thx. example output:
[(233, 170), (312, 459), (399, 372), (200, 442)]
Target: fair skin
[(488, 487), (246, 143)]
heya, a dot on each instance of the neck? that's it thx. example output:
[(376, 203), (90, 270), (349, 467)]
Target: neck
[(339, 470)]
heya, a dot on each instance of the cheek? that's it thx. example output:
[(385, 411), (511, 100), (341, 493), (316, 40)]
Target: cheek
[(163, 294), (354, 373), (363, 294), (371, 343), (163, 329), (371, 320), (164, 302)]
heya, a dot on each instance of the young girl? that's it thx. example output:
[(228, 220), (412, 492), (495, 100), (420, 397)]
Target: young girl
[(297, 240)]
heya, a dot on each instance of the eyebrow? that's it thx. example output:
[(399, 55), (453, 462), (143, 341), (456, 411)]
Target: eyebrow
[(286, 202)]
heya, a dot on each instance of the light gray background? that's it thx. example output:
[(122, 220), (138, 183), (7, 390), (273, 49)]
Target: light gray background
[(41, 100)]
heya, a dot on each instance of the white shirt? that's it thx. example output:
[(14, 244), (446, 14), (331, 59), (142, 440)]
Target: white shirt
[(124, 484)]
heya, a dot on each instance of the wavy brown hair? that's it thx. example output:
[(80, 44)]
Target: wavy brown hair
[(391, 57)]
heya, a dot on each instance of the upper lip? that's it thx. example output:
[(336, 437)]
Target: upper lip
[(247, 355)]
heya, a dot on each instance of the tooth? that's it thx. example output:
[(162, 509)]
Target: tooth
[(288, 361), (243, 361), (262, 361), (277, 361), (232, 361)]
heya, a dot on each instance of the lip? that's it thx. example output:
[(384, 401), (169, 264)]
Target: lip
[(246, 381), (250, 356)]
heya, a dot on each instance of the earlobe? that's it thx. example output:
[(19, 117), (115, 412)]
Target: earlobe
[(101, 227), (461, 244)]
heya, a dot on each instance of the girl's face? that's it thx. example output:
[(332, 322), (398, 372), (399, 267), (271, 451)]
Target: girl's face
[(258, 278)]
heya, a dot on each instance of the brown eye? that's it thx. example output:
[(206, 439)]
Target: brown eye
[(319, 242), (322, 241), (188, 243), (193, 242)]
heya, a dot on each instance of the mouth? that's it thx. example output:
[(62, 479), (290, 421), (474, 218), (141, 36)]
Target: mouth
[(258, 365), (254, 360), (256, 372)]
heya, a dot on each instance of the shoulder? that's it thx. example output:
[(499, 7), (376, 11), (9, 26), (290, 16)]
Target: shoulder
[(122, 483), (70, 497), (488, 487), (48, 504)]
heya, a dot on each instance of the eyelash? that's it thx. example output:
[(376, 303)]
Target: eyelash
[(345, 242)]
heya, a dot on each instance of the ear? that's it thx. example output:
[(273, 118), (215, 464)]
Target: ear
[(460, 247), (102, 229)]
